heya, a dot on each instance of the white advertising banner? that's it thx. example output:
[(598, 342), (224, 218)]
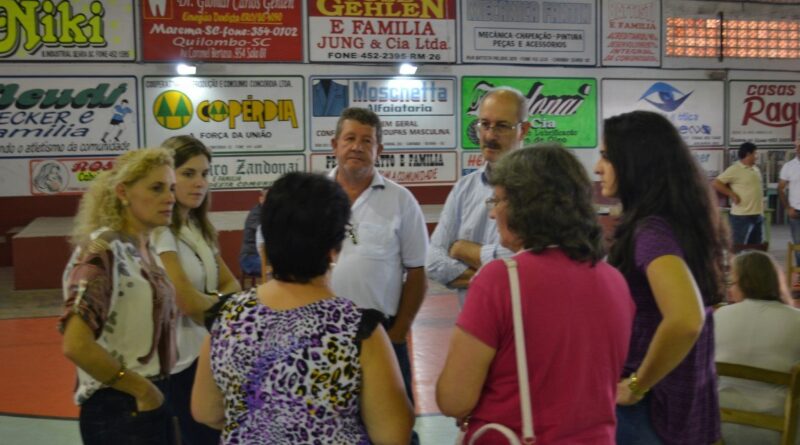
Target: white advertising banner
[(693, 106), (529, 32), (67, 30), (712, 160), (407, 168), (382, 31), (470, 161), (50, 176), (764, 113), (416, 113), (252, 172), (67, 116), (230, 114), (631, 33)]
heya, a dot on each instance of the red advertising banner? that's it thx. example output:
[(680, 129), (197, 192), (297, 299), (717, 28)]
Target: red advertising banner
[(240, 31), (382, 31)]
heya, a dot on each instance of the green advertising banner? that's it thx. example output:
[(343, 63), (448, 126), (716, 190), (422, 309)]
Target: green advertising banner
[(559, 109)]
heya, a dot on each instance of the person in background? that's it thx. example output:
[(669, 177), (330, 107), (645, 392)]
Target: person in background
[(188, 248), (381, 265), (290, 362), (119, 318), (669, 245), (249, 258), (568, 297), (741, 183), (465, 237), (760, 330), (790, 199)]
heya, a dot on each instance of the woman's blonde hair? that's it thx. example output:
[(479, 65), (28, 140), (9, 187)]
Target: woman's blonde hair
[(184, 148), (100, 205)]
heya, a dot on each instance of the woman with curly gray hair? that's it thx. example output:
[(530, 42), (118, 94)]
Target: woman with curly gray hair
[(577, 311)]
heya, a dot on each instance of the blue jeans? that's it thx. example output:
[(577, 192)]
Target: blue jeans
[(179, 403), (634, 426), (401, 352), (111, 417), (747, 229), (250, 264), (794, 226)]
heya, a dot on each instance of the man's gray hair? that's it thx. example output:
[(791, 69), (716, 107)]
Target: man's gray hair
[(522, 101)]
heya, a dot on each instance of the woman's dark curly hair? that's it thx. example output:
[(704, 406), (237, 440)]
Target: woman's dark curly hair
[(303, 218), (550, 201), (658, 176)]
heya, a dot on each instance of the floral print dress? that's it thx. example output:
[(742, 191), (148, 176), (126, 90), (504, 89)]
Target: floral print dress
[(290, 376)]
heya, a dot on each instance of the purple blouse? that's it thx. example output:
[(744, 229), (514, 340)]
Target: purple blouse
[(290, 376), (684, 406)]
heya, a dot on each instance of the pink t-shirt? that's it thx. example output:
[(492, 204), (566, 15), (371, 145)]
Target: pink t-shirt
[(578, 322)]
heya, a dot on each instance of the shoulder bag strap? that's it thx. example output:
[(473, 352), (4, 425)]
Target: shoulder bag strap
[(528, 435)]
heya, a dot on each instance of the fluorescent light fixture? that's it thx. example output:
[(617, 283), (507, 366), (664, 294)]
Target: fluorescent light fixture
[(186, 70), (408, 69)]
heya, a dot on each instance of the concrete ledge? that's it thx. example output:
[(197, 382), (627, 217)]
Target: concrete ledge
[(41, 249)]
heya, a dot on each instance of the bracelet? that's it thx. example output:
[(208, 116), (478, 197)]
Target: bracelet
[(117, 377), (633, 385)]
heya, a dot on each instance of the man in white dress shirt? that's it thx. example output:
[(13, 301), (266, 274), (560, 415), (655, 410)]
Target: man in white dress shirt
[(465, 238)]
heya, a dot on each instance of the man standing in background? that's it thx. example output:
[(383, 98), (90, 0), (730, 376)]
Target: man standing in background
[(387, 241), (465, 237), (790, 175), (249, 259), (741, 183)]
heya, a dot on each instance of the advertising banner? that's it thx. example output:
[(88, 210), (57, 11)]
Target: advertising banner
[(382, 31), (67, 116), (67, 30), (215, 31), (65, 176), (407, 168), (230, 114), (416, 113), (470, 161), (559, 109), (712, 160), (764, 113), (693, 106), (631, 33), (529, 32), (252, 172)]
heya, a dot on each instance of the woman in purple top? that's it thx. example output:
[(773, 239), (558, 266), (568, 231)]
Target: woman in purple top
[(669, 246)]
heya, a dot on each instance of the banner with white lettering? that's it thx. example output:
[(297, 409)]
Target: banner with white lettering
[(382, 31), (631, 33), (764, 113), (695, 107), (67, 116), (559, 109), (416, 113), (712, 160), (230, 114), (252, 172), (211, 31), (67, 30), (407, 168), (529, 32)]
